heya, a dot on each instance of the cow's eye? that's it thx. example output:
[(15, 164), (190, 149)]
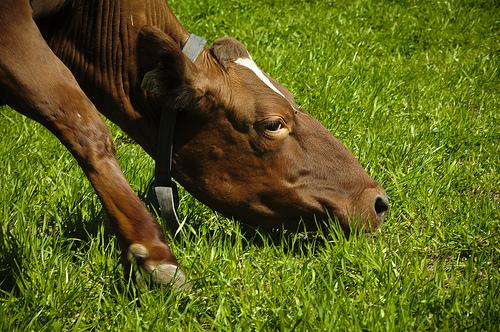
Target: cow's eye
[(272, 125), (273, 128)]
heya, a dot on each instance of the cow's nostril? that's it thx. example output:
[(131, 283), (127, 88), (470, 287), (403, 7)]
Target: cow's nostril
[(381, 206)]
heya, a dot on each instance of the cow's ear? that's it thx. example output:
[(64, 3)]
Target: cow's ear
[(162, 67), (227, 50)]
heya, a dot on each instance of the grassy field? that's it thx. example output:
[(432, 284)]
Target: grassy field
[(411, 87)]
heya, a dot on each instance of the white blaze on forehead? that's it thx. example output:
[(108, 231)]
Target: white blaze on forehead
[(250, 64)]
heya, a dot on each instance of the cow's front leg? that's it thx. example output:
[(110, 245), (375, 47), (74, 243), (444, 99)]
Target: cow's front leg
[(138, 232), (36, 83)]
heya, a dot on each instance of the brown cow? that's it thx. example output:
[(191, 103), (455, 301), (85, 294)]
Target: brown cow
[(242, 145)]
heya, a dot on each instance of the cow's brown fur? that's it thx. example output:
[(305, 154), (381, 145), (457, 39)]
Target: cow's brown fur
[(239, 147)]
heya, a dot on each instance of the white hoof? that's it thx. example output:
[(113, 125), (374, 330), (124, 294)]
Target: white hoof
[(168, 274), (162, 273)]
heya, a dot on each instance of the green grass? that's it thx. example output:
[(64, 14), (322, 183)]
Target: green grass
[(411, 87)]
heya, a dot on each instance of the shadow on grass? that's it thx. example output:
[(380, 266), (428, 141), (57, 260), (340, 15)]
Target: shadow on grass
[(17, 253), (299, 240), (84, 226)]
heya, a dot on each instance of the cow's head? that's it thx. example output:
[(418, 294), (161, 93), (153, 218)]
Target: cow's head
[(244, 148)]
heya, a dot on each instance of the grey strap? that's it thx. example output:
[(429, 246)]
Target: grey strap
[(162, 191), (193, 47)]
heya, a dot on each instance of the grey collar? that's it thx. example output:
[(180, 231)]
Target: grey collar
[(193, 46)]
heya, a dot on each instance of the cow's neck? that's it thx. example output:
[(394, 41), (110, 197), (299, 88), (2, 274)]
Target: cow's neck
[(96, 40)]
